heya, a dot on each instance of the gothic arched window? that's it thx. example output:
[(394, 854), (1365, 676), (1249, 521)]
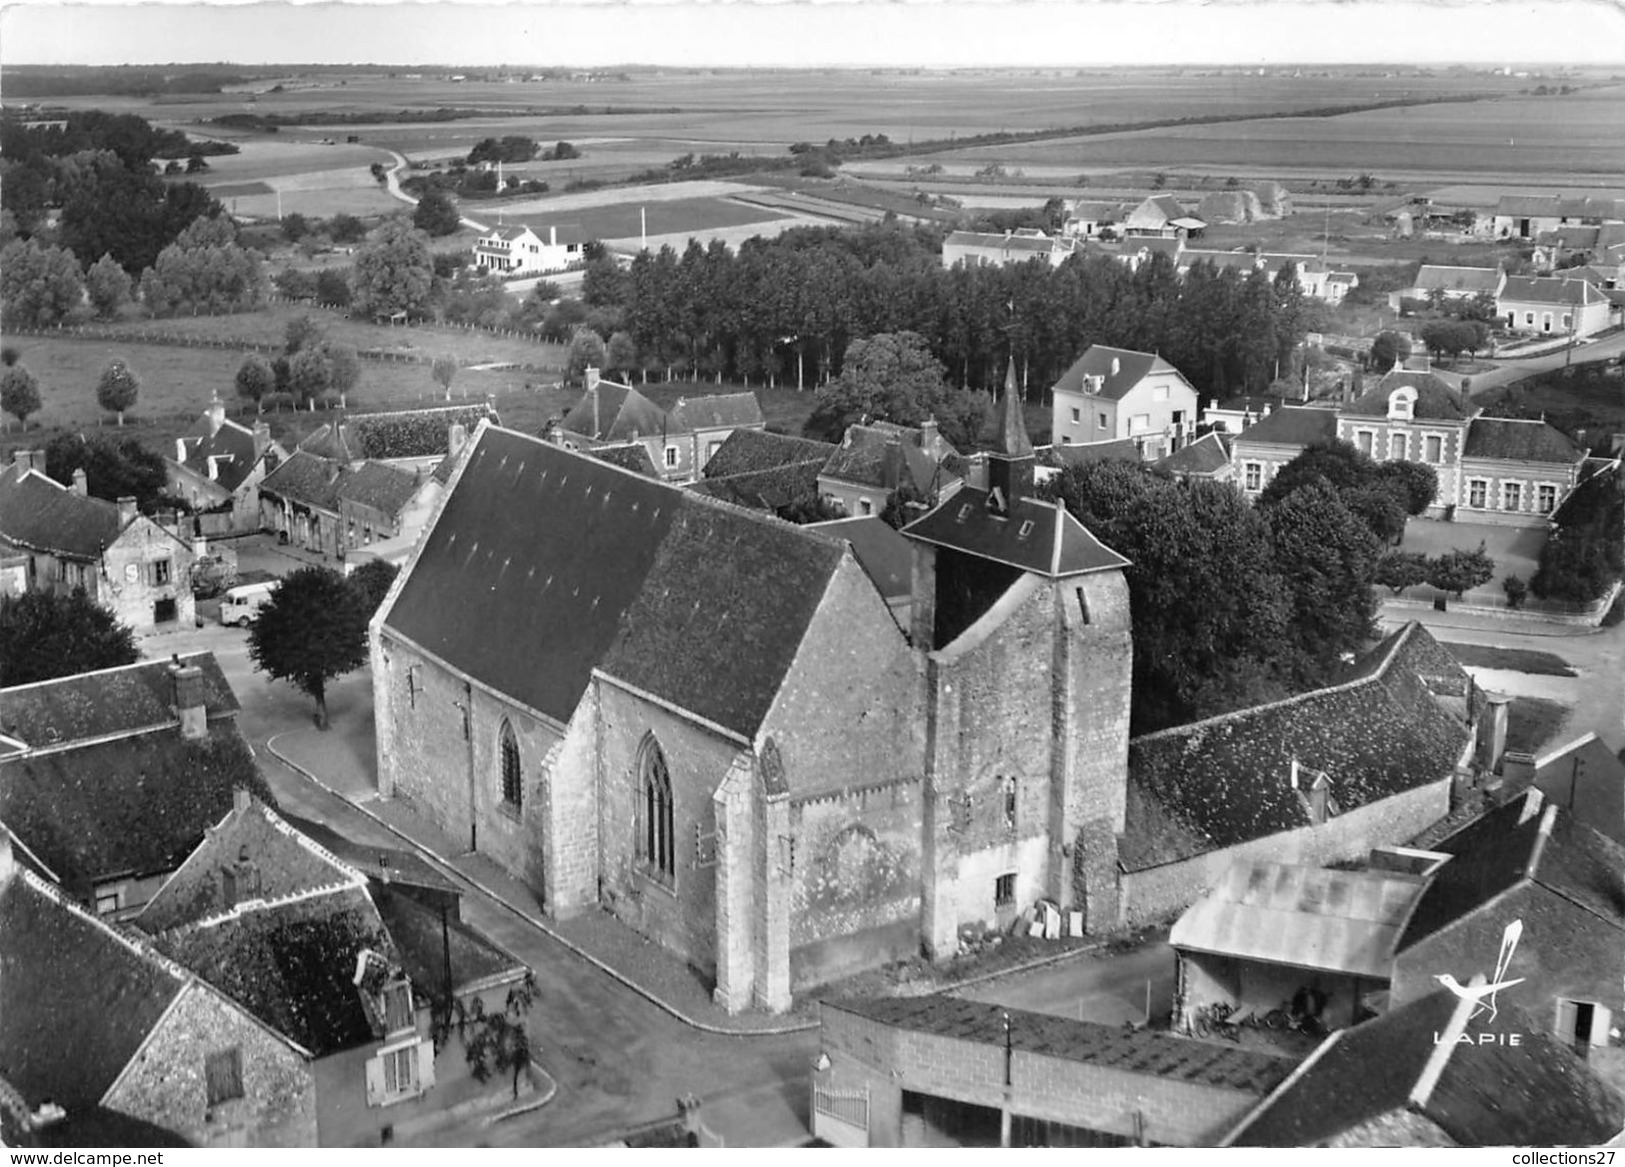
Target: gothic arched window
[(508, 753), (657, 842)]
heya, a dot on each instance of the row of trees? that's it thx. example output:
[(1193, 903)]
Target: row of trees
[(310, 367), (1456, 572)]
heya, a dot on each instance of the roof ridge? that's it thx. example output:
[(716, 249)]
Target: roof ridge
[(140, 664), (1443, 1049), (244, 908), (141, 949), (298, 836)]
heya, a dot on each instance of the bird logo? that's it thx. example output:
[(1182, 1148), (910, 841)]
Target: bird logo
[(1483, 996)]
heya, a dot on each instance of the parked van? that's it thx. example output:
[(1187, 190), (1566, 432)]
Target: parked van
[(242, 603)]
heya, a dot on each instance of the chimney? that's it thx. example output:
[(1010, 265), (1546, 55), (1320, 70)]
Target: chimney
[(1319, 798), (262, 439), (591, 374), (1213, 403), (1117, 366), (1266, 412), (1492, 732), (214, 467), (241, 799), (180, 449), (928, 436), (189, 706), (36, 459), (456, 435), (554, 431), (126, 511), (79, 486), (216, 414)]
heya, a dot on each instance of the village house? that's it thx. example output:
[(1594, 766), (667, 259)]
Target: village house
[(1086, 220), (1160, 215), (768, 472), (519, 251), (1112, 393), (877, 461), (1529, 216), (680, 442), (1260, 450), (994, 249), (1411, 416), (1208, 457), (104, 1042), (1552, 305), (108, 779), (327, 506), (218, 467), (345, 971), (129, 564), (1516, 471), (1584, 776), (1450, 283)]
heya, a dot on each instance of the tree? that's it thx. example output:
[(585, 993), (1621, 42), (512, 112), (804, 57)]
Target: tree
[(1398, 570), (294, 284), (444, 369), (114, 468), (1330, 555), (1459, 571), (39, 285), (1418, 481), (311, 630), (342, 228), (204, 271), (332, 288), (44, 636), (621, 354), (118, 388), (108, 286), (19, 393), (301, 333), (371, 582), (889, 377), (393, 271), (310, 374), (295, 227), (436, 214), (498, 1043), (1389, 349), (586, 350), (255, 378), (196, 164), (1516, 588), (344, 365)]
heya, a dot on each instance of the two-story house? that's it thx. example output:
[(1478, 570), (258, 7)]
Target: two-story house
[(1411, 416), (1113, 393), (1516, 471), (680, 441), (876, 461), (519, 251), (129, 564), (1278, 436), (218, 466)]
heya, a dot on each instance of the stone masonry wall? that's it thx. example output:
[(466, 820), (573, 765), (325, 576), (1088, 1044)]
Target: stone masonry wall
[(142, 544), (165, 1083)]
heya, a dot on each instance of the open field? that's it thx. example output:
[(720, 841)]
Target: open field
[(665, 216)]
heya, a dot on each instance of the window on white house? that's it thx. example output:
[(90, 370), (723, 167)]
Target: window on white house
[(1528, 317), (1253, 475), (162, 573), (865, 507), (1546, 322), (1477, 492), (1065, 441), (1512, 496), (401, 1070), (223, 1076), (1568, 320), (1433, 445), (1004, 890), (1077, 415), (1546, 498), (671, 457), (1139, 423), (1159, 393), (108, 902), (1103, 422)]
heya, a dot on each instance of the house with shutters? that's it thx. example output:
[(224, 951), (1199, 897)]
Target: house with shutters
[(218, 466), (106, 1042), (1552, 306), (342, 968), (1516, 471), (1411, 416), (520, 251), (133, 566), (109, 779), (1111, 394)]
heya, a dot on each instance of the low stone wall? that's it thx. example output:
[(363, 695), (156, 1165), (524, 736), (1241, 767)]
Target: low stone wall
[(1548, 611)]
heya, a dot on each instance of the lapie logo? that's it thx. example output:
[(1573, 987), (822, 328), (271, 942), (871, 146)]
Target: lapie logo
[(1484, 996)]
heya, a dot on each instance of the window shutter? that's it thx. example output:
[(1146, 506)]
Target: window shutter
[(1567, 1018), (375, 1081), (1601, 1022), (425, 1065)]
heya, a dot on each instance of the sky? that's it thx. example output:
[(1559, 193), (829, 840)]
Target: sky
[(929, 33)]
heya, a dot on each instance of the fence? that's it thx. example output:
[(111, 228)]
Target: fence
[(850, 1106)]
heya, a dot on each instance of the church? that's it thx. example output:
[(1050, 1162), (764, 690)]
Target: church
[(705, 720)]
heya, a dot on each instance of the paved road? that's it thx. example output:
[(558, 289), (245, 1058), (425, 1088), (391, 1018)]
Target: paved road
[(1515, 369)]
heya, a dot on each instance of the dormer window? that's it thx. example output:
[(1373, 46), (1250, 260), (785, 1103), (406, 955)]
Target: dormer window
[(1402, 404), (395, 1006)]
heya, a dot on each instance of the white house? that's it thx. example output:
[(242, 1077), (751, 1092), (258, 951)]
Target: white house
[(518, 251), (1112, 393), (1562, 307)]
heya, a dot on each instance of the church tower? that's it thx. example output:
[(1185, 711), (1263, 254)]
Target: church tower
[(1021, 622)]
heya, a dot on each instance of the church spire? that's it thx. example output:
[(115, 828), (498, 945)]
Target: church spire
[(1013, 439), (1010, 464)]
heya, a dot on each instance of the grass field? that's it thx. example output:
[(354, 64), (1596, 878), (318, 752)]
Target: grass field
[(1523, 660), (622, 220)]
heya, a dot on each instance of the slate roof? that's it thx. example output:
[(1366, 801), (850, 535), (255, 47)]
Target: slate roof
[(1293, 425), (291, 965), (1535, 1093), (1226, 780), (1039, 537), (1504, 848), (633, 456), (135, 805), (40, 514), (1436, 400), (1345, 922), (884, 456), (1206, 456), (285, 863), (76, 998), (380, 487), (232, 446), (791, 486), (583, 565), (1132, 368), (379, 864), (718, 411), (108, 701), (1084, 453), (1515, 439), (1544, 206), (416, 933), (747, 451), (1139, 1051), (1571, 238), (611, 412), (1450, 278), (997, 241), (882, 552), (1589, 778), (1549, 290), (306, 478)]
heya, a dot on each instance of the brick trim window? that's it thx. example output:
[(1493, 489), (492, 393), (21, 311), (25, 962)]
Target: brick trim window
[(1433, 448), (1396, 446), (1546, 498), (1477, 492), (223, 1075), (657, 838), (1253, 475), (513, 786), (1512, 496)]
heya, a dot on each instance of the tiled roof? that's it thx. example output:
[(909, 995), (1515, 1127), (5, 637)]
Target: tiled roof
[(232, 447), (1570, 238), (633, 456), (291, 965), (1227, 780), (1548, 206), (1436, 399), (1139, 1051), (135, 805), (794, 486), (993, 241), (1155, 245), (1457, 279), (1083, 454), (611, 412), (380, 864), (380, 487), (1549, 290), (747, 450), (1310, 917), (718, 411), (884, 456), (1207, 455), (1132, 368), (1514, 439), (1587, 776), (76, 998), (108, 701), (412, 433), (40, 514), (1039, 537), (283, 863), (583, 565), (1490, 1093), (306, 478), (883, 553), (1291, 425)]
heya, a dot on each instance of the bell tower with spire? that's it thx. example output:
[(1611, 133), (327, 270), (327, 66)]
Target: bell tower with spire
[(1010, 464)]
